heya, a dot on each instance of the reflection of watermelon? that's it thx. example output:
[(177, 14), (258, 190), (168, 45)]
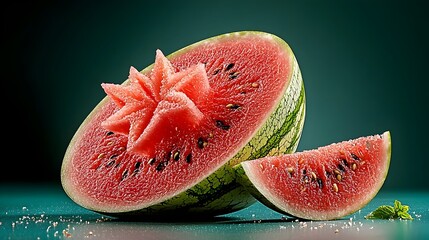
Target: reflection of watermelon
[(322, 184), (166, 139)]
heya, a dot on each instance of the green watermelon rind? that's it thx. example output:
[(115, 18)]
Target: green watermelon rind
[(220, 193), (250, 185)]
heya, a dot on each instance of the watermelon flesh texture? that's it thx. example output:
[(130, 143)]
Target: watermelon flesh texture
[(322, 184), (154, 137), (152, 108)]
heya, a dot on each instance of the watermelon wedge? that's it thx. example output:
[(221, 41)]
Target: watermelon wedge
[(321, 184), (164, 142)]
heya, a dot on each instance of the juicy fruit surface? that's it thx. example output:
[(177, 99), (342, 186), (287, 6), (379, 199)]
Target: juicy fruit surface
[(326, 183), (151, 108), (99, 172)]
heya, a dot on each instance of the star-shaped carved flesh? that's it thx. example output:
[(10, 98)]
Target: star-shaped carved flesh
[(151, 106)]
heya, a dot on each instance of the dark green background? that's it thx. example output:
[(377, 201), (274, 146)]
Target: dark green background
[(364, 65)]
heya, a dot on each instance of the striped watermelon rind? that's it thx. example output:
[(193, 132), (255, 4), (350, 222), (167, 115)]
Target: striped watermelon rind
[(374, 170), (220, 192)]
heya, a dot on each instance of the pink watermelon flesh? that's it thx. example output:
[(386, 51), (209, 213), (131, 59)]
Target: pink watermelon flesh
[(146, 110), (326, 183), (169, 127)]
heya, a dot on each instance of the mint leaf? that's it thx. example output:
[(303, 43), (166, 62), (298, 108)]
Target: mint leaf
[(397, 206), (382, 212), (388, 212), (404, 216)]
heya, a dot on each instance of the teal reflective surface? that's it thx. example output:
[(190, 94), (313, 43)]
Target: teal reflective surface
[(45, 212)]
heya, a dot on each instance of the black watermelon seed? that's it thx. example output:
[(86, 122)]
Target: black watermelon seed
[(355, 157), (151, 161), (220, 124), (124, 175), (233, 75), (229, 66), (189, 158), (201, 142), (233, 106), (109, 133), (176, 156), (161, 166), (113, 156), (137, 166), (216, 71), (345, 163), (304, 171), (341, 167), (320, 183), (110, 163)]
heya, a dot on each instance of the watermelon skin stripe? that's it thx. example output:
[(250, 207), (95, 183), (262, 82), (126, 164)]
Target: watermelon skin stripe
[(222, 192), (275, 137), (218, 194), (359, 200)]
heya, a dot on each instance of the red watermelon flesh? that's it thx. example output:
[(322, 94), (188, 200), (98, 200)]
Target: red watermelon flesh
[(151, 108), (322, 184), (176, 122)]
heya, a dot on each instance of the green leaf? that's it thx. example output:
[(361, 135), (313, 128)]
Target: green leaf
[(405, 216), (397, 206), (388, 212), (382, 212)]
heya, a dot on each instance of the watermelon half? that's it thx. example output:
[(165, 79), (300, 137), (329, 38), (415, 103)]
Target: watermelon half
[(167, 138), (321, 184)]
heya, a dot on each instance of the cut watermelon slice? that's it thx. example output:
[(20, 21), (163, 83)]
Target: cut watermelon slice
[(322, 184), (166, 139)]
